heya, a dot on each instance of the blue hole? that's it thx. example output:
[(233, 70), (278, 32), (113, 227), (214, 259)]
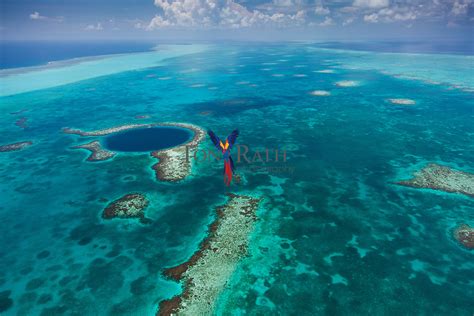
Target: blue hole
[(147, 139)]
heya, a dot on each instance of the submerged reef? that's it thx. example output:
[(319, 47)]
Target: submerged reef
[(142, 117), (22, 122), (97, 152), (442, 178), (131, 205), (320, 93), (207, 272), (173, 164), (347, 83), (325, 71), (15, 146), (464, 234), (402, 101)]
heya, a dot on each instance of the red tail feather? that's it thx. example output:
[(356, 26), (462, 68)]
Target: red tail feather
[(227, 173)]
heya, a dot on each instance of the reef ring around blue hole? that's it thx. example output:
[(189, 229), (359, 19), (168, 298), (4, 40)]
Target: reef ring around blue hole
[(148, 139)]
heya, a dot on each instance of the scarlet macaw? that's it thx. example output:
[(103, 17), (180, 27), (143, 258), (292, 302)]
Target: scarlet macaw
[(225, 148)]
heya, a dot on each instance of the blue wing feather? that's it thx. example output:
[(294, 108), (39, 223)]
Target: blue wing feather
[(232, 138), (215, 140)]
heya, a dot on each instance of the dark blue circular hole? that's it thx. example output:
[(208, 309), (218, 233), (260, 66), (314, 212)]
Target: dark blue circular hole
[(147, 139)]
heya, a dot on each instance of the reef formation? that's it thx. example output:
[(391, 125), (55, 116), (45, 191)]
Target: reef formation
[(97, 152), (173, 163), (207, 272), (464, 234), (442, 178), (402, 101), (320, 93), (15, 146), (347, 83), (22, 122), (106, 131), (131, 205)]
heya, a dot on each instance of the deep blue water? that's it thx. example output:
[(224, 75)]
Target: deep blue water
[(147, 139), (15, 54)]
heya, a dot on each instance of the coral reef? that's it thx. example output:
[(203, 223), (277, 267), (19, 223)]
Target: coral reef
[(173, 164), (205, 113), (325, 71), (131, 205), (19, 112), (347, 83), (106, 131), (97, 152), (464, 234), (15, 146), (207, 272), (320, 93), (442, 178), (402, 101), (22, 122)]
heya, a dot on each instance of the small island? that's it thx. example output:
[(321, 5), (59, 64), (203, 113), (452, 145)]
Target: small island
[(15, 146), (97, 152), (131, 205), (464, 234), (442, 178), (206, 273)]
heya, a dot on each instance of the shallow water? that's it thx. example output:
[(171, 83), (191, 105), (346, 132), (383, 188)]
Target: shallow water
[(335, 235)]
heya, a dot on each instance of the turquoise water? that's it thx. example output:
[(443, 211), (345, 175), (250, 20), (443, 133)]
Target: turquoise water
[(64, 72), (335, 235), (147, 139)]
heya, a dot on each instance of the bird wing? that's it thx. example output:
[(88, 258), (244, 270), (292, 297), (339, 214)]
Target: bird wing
[(215, 140), (232, 138)]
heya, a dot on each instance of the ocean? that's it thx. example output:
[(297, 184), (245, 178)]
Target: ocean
[(16, 54), (335, 235)]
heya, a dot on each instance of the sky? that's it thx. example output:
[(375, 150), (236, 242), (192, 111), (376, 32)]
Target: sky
[(237, 19)]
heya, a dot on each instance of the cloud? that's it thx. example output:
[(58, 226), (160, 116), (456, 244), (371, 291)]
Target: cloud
[(371, 18), (393, 14), (348, 21), (218, 14), (283, 3), (374, 4), (461, 7), (92, 27), (37, 16), (320, 10), (234, 14), (327, 22), (139, 25)]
